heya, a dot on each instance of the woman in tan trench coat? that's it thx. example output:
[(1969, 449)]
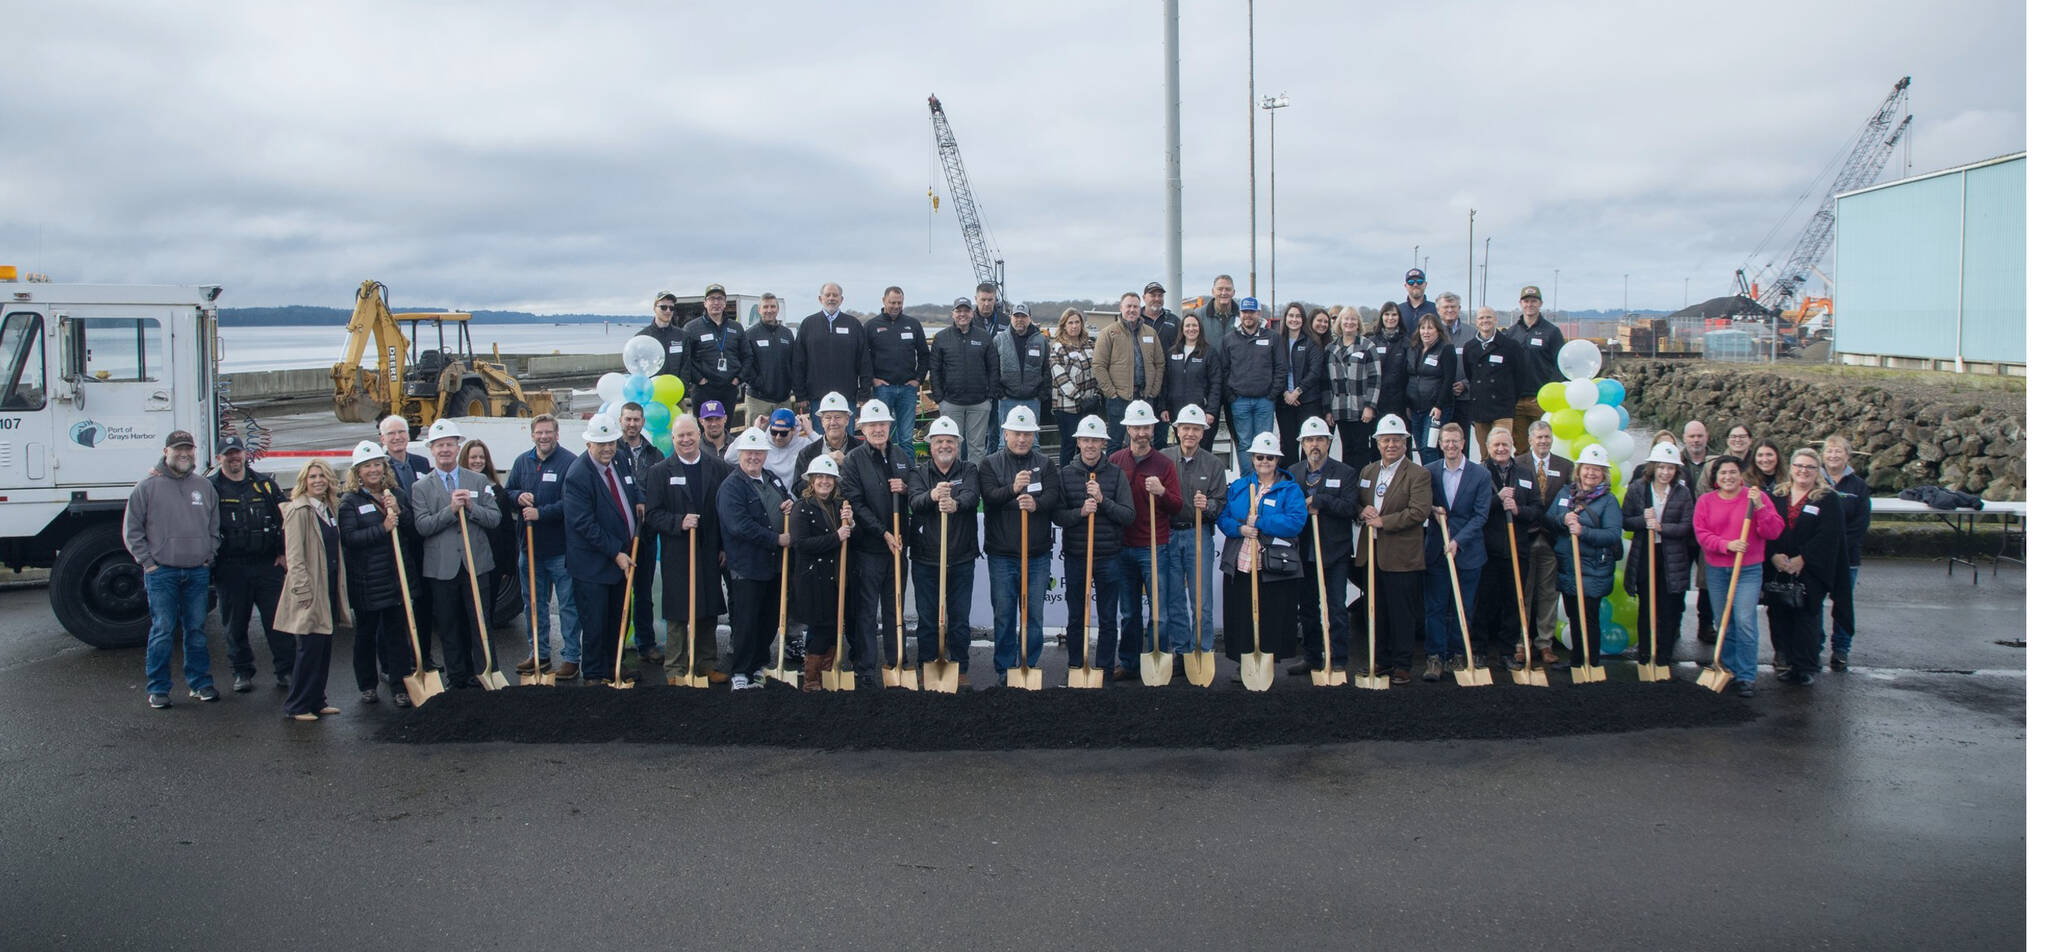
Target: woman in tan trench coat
[(315, 598)]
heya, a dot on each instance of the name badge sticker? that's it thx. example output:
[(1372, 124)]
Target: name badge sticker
[(1493, 359), (548, 477), (1262, 342), (1429, 361), (1382, 350), (629, 480), (1175, 356), (1034, 487), (672, 480), (1535, 341), (840, 330), (704, 338), (906, 335), (1525, 484), (761, 343), (1810, 510), (366, 508), (675, 347)]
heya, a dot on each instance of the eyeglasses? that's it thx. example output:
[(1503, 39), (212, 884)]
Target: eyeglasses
[(664, 307), (1804, 466), (1416, 283)]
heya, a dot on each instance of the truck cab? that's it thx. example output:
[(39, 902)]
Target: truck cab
[(92, 379)]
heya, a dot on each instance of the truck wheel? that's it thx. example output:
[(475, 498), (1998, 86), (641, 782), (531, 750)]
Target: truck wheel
[(96, 590), (470, 401)]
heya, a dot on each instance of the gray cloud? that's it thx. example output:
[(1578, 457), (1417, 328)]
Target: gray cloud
[(528, 156)]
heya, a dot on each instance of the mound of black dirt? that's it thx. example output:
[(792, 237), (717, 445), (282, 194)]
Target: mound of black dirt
[(1007, 719)]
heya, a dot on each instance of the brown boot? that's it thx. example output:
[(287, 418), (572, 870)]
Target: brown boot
[(527, 666), (814, 672)]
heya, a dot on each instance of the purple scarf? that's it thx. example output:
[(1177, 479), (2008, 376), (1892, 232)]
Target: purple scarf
[(1581, 498)]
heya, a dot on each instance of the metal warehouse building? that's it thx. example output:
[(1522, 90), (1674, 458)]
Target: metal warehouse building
[(1930, 271)]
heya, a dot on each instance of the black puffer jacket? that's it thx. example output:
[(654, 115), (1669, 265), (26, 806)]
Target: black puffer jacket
[(366, 551), (1115, 512), (1674, 545)]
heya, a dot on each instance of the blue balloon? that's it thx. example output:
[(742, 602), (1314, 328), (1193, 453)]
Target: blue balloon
[(1614, 640), (658, 417), (1612, 392), (1618, 408), (639, 389), (1606, 612)]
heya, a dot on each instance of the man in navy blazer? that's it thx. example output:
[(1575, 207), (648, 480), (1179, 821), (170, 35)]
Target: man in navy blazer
[(598, 510), (1462, 493)]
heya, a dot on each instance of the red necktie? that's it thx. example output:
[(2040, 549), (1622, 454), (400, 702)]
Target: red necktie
[(611, 481)]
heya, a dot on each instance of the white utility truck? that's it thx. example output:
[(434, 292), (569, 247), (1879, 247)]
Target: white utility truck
[(92, 379)]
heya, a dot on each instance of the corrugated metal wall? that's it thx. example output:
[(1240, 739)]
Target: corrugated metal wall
[(1912, 259)]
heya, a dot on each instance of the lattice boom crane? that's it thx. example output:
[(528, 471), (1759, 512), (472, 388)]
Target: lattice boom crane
[(987, 267)]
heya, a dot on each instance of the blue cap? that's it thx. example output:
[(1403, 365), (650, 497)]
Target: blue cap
[(782, 419), (1248, 304)]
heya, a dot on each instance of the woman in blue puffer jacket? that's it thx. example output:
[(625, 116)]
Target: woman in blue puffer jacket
[(1589, 514)]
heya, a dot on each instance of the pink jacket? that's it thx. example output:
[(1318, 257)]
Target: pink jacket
[(1717, 521)]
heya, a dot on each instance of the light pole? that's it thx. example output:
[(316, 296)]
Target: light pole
[(1485, 270), (1415, 257), (1555, 307), (1173, 245), (1272, 105), (1251, 139), (1471, 216), (1624, 296)]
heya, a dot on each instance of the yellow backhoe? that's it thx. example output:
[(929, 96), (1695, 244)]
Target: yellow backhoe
[(422, 386)]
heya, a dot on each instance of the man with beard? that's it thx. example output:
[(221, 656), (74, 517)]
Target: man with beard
[(1333, 502), (249, 567), (172, 528)]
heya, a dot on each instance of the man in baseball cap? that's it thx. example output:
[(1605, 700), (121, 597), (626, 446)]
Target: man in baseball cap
[(1164, 320), (1542, 341), (248, 568), (172, 529), (1417, 303), (712, 417)]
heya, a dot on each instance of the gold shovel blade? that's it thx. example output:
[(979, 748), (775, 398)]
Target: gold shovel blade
[(492, 681), (837, 679), (1256, 670), (1084, 677), (1716, 679), (423, 687), (1029, 679), (942, 676), (1200, 667), (536, 680), (1372, 682), (1155, 669), (1473, 677), (1326, 677), (1584, 675), (904, 677), (1653, 673)]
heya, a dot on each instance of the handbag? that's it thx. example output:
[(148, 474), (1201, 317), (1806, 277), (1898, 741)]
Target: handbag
[(1788, 593), (1280, 558)]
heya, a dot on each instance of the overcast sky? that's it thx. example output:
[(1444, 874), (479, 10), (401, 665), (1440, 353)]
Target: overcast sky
[(558, 158)]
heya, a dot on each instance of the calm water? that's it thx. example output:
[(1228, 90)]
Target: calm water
[(292, 348)]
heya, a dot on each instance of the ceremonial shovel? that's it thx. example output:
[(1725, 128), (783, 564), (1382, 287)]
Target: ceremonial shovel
[(541, 675), (489, 676), (1471, 676), (422, 683)]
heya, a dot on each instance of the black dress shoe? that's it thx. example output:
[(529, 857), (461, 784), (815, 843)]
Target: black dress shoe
[(1299, 668), (1787, 674)]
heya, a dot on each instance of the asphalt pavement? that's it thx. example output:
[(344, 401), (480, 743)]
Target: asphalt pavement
[(1881, 808)]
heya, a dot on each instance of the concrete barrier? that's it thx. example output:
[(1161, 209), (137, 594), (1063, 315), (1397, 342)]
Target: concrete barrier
[(580, 370)]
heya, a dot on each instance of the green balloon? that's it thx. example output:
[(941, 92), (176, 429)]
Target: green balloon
[(1551, 397), (1567, 424)]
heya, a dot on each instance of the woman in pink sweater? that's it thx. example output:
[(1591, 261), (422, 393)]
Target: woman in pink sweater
[(1717, 524)]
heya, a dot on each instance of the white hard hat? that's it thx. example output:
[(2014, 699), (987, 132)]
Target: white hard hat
[(1390, 425), (875, 411), (834, 403), (365, 451), (1022, 420), (1266, 444), (1139, 413), (822, 466), (754, 439), (443, 429), (601, 429), (1595, 455), (1192, 414), (1665, 453), (1091, 427), (1313, 426), (944, 426)]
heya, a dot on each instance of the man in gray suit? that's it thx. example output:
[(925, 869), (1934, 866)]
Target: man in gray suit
[(437, 497)]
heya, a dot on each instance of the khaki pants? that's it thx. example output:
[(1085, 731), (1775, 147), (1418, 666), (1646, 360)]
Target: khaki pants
[(679, 645), (1541, 584), (761, 408), (1475, 441), (1527, 411)]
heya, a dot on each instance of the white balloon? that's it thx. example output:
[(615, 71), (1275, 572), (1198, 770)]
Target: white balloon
[(642, 355), (1581, 394), (1579, 360), (1602, 421), (611, 388), (1620, 446)]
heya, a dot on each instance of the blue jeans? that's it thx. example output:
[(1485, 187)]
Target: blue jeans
[(1002, 589), (177, 599), (1113, 414), (902, 401), (924, 580), (1068, 422), (1249, 417), (1438, 617), (1844, 634), (551, 574), (1418, 424), (1196, 570), (1739, 654), (1108, 592), (1171, 609)]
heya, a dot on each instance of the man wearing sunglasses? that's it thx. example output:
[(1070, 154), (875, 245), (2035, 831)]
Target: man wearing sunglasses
[(1418, 302), (674, 344)]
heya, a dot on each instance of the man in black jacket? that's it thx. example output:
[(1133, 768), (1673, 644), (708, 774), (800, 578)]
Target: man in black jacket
[(1541, 340), (682, 494), (718, 353), (1513, 514), (1855, 493), (1332, 497), (1023, 378), (950, 485), (1018, 480), (831, 355), (771, 362), (637, 454), (675, 350), (899, 357), (1254, 369), (1553, 475), (1495, 371), (963, 364), (875, 479), (1107, 497), (248, 568)]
